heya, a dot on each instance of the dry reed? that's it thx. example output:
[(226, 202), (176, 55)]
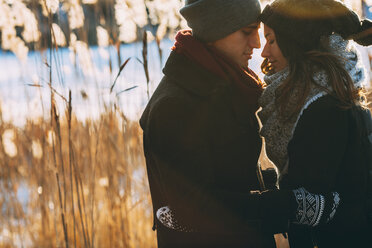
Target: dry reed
[(106, 182), (85, 185)]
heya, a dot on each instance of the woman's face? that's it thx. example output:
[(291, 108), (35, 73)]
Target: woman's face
[(238, 46), (272, 52)]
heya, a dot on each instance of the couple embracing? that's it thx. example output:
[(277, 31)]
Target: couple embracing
[(202, 138)]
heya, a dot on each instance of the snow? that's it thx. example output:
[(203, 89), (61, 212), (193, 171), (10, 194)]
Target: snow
[(20, 98), (90, 84)]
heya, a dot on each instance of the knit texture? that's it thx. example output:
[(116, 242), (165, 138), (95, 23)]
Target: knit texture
[(336, 202), (211, 20), (167, 218), (278, 133), (310, 207)]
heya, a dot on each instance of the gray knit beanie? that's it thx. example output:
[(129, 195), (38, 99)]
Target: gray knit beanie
[(212, 20)]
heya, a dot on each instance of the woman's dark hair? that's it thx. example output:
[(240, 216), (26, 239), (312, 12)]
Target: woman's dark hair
[(301, 71), (299, 26)]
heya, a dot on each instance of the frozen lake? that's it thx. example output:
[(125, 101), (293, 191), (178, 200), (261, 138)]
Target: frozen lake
[(90, 80), (90, 85)]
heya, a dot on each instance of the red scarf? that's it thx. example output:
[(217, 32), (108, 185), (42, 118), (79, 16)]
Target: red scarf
[(245, 81)]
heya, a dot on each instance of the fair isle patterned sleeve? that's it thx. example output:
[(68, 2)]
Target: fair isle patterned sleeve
[(311, 208), (336, 202), (167, 218)]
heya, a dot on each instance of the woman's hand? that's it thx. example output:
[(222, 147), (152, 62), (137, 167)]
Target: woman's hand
[(315, 209)]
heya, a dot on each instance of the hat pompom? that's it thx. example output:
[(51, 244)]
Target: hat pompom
[(344, 21), (364, 37)]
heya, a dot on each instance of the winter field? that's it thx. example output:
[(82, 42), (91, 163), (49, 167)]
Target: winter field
[(72, 171)]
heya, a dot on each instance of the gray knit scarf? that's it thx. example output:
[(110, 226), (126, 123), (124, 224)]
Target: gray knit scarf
[(278, 133)]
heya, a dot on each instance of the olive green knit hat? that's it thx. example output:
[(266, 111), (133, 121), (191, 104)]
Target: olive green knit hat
[(211, 20)]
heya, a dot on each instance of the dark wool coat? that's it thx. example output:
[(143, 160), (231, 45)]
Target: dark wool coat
[(325, 155), (201, 146)]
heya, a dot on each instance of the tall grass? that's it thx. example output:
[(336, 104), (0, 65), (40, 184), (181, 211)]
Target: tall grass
[(67, 182), (86, 184)]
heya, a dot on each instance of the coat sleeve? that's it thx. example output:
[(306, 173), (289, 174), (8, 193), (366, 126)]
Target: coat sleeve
[(182, 155), (316, 150)]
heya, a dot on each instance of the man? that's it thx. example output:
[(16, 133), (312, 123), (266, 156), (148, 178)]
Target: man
[(201, 137), (200, 131)]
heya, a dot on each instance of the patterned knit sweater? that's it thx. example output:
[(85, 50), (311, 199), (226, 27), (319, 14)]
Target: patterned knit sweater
[(278, 133)]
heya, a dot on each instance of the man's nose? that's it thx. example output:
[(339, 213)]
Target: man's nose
[(265, 52), (255, 41)]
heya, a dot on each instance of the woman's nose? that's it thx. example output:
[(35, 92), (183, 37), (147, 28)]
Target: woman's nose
[(255, 41)]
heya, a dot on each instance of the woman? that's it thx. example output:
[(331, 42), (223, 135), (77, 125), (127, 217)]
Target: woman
[(309, 113)]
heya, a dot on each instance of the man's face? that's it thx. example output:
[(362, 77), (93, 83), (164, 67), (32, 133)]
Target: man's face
[(239, 45)]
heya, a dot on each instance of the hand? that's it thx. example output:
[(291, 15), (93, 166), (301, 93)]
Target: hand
[(314, 209), (270, 178)]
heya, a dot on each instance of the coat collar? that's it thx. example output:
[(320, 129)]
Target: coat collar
[(194, 78), (191, 76)]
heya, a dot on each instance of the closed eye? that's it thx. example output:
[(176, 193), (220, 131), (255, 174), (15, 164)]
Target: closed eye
[(247, 32)]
